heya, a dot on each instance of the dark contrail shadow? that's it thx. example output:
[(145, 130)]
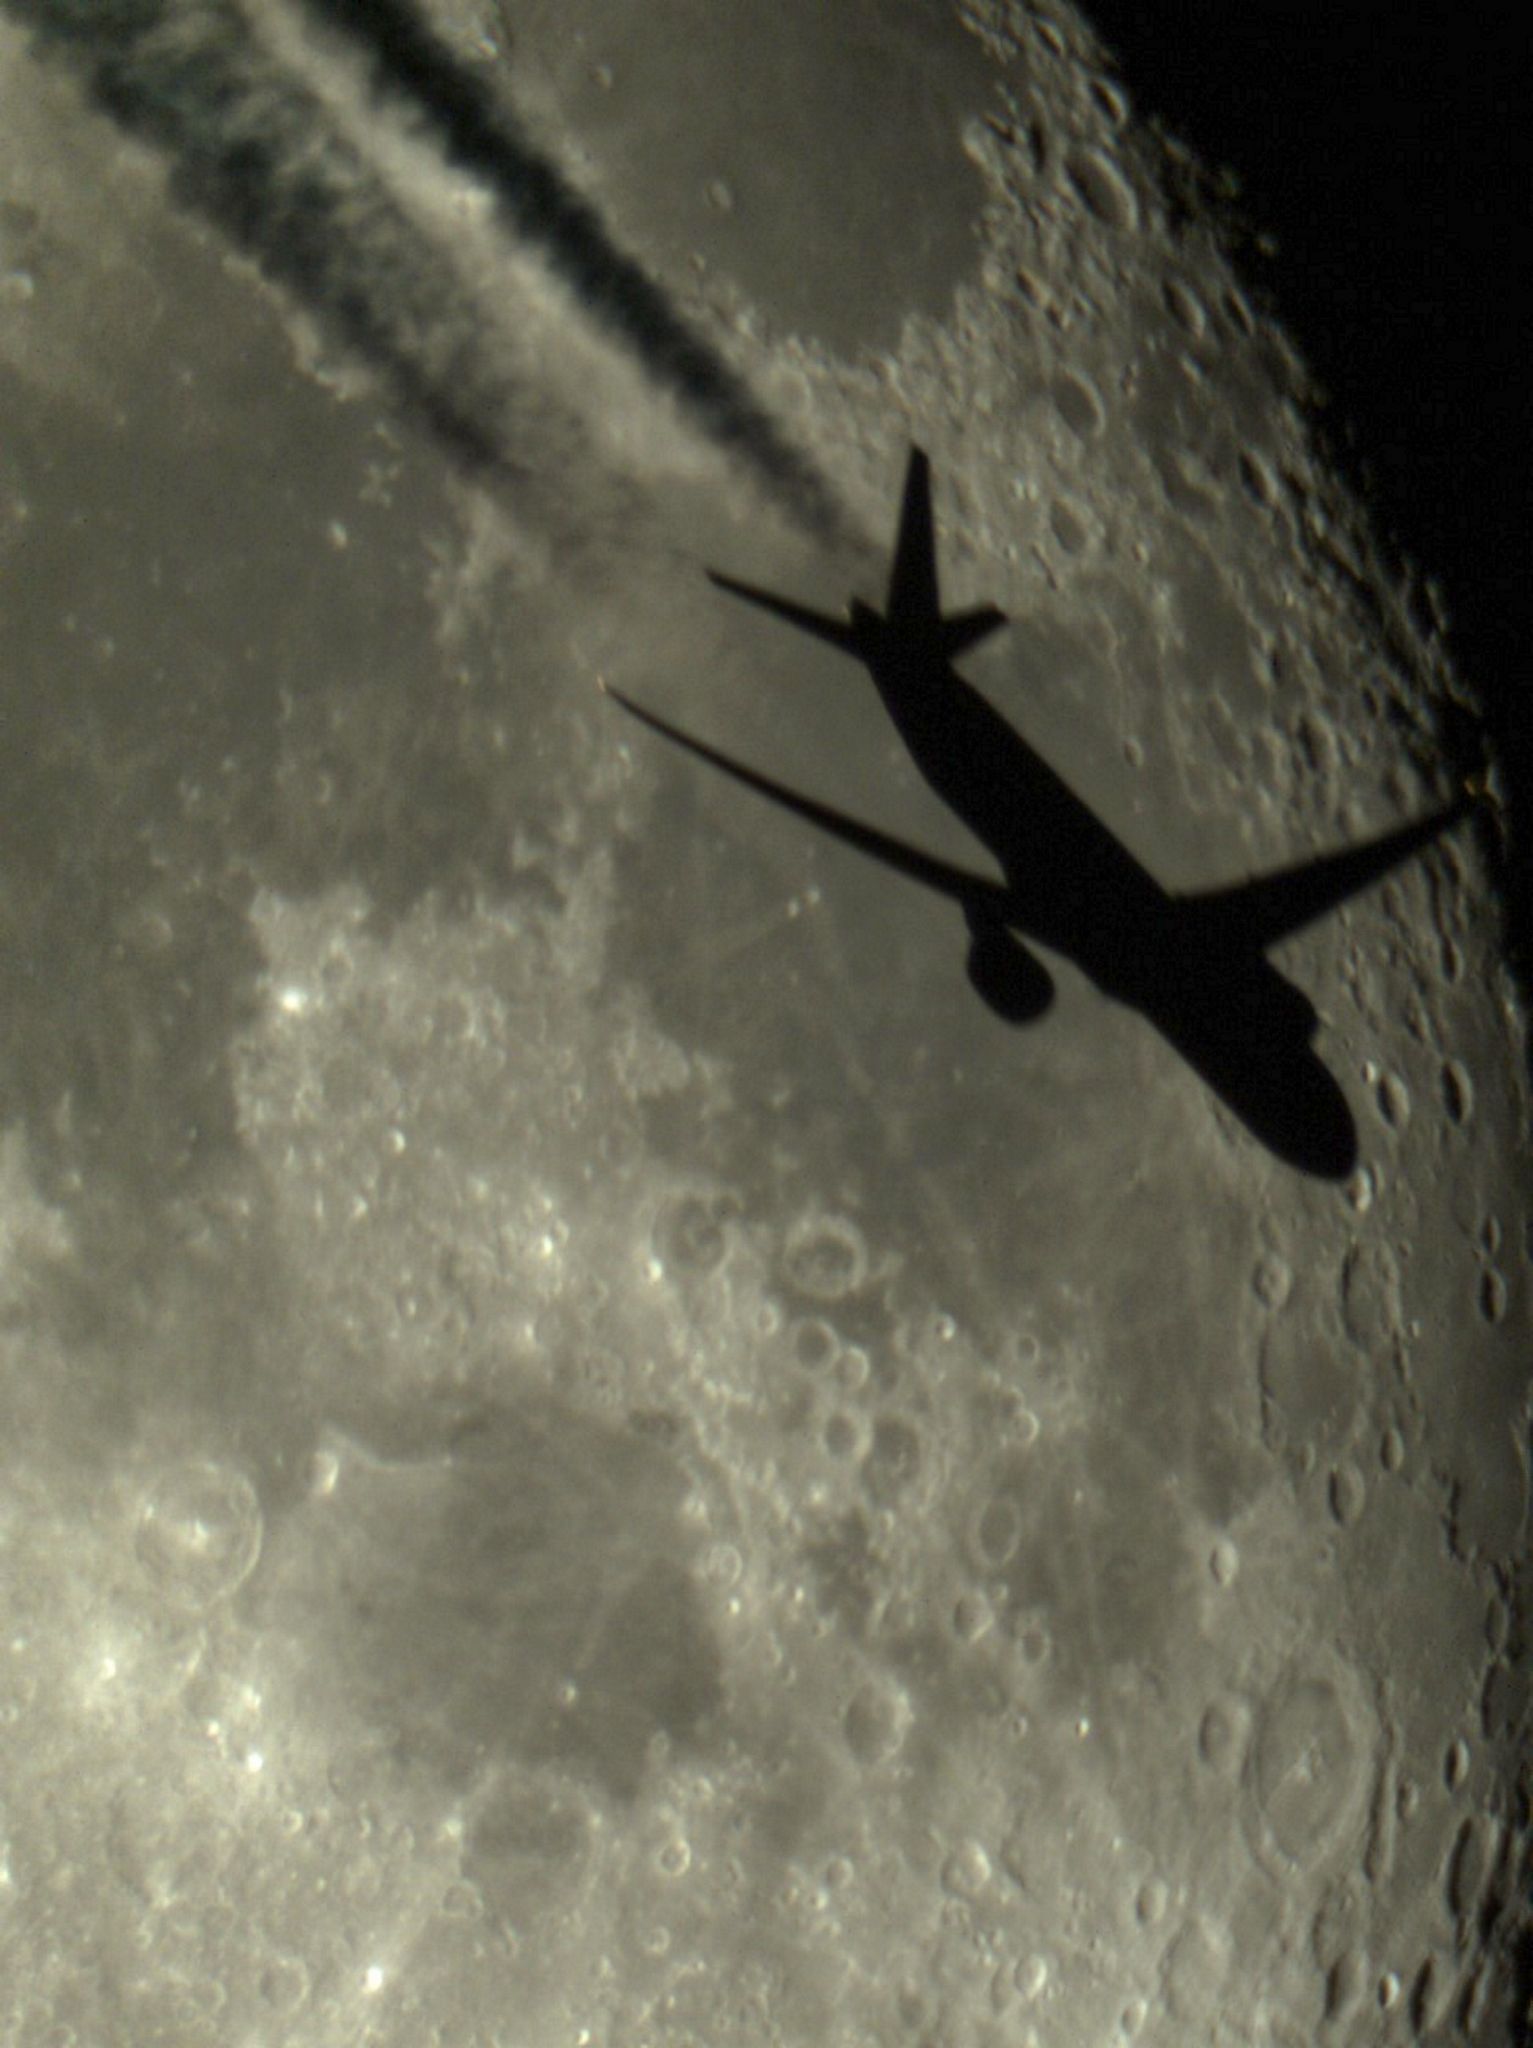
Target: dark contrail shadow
[(257, 151), (257, 154), (478, 132)]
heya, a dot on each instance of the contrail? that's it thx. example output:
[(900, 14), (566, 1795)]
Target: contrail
[(256, 148), (478, 132), (255, 152)]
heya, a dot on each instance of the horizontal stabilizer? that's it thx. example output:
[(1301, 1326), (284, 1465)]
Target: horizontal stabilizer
[(967, 629), (961, 885), (1270, 907), (836, 631)]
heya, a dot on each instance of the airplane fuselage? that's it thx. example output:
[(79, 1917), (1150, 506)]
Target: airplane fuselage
[(1075, 887)]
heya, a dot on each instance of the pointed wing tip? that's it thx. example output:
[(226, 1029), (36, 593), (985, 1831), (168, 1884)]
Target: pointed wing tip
[(627, 703)]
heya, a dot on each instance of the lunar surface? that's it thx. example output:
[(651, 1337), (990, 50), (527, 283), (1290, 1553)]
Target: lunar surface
[(596, 1454)]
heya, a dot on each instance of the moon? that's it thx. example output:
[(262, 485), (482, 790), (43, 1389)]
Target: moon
[(595, 1450)]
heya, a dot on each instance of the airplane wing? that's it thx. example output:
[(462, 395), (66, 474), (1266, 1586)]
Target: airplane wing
[(1270, 907), (837, 631), (961, 885), (913, 577)]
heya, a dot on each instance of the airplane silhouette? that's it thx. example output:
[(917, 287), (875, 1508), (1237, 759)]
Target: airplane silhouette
[(1194, 965)]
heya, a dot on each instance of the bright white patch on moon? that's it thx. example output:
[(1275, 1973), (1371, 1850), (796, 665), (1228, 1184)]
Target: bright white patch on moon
[(587, 1436)]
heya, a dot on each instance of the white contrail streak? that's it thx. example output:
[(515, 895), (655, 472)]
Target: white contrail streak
[(388, 188)]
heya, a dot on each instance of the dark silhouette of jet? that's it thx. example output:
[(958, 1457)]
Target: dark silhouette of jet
[(1194, 965)]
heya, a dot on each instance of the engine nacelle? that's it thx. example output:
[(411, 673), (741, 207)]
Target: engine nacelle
[(1005, 975)]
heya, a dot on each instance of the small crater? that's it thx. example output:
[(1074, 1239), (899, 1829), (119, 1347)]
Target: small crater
[(1305, 1766), (199, 1533), (1223, 1562), (1035, 1643), (1272, 1281), (1185, 307), (1431, 1994), (893, 1459), (1077, 402), (998, 1531), (853, 1369), (876, 1721), (825, 1257), (1031, 1975), (1491, 1296), (1110, 101), (814, 1343), (1392, 1449), (1151, 1901), (1468, 1866), (1498, 1624), (1457, 1092), (284, 1985), (966, 1873), (1068, 527), (973, 1617), (1218, 1738), (1370, 1295), (1456, 1764), (722, 1566), (1238, 313), (1348, 1495), (1335, 1926), (842, 1437), (1103, 187), (692, 1233), (1344, 1984), (1257, 479), (1394, 1102)]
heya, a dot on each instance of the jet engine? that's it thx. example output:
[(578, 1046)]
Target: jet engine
[(1009, 979)]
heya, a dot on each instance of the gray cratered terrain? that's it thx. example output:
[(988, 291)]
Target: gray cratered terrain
[(595, 1453)]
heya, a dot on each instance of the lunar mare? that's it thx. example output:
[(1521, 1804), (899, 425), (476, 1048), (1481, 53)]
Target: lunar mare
[(593, 1450)]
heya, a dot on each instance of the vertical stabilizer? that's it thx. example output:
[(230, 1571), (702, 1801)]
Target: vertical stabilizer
[(913, 578)]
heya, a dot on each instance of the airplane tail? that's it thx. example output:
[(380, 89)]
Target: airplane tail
[(913, 612)]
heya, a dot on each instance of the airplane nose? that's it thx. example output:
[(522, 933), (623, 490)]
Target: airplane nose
[(1284, 1094), (1313, 1126), (1325, 1127)]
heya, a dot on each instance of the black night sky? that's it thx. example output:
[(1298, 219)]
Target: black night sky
[(1387, 150)]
